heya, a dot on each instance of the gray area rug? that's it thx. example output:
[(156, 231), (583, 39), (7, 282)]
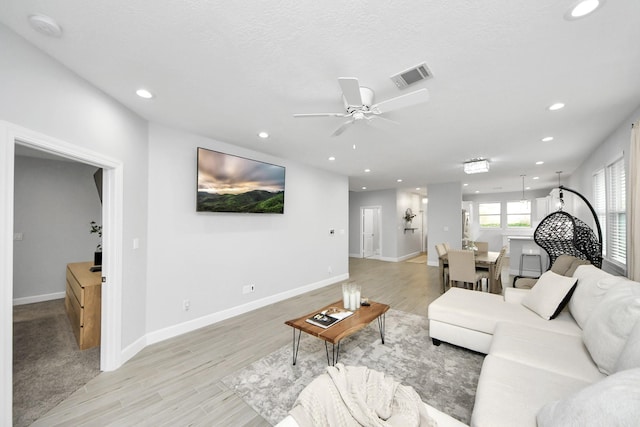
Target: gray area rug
[(444, 376), (47, 364)]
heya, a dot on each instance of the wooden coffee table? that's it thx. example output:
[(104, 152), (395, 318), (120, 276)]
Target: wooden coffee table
[(336, 332)]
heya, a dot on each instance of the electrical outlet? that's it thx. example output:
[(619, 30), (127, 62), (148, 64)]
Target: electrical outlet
[(186, 304)]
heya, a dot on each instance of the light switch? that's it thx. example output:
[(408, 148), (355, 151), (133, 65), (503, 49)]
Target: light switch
[(18, 236), (136, 243)]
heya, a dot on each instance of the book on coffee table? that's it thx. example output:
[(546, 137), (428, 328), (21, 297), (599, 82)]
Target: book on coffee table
[(325, 318)]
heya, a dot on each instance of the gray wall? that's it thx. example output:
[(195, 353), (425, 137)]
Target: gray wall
[(54, 202), (444, 216)]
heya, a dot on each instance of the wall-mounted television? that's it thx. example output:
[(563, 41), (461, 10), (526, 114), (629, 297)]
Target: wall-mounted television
[(228, 183)]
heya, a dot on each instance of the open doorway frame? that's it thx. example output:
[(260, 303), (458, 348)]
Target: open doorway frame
[(112, 220), (370, 232)]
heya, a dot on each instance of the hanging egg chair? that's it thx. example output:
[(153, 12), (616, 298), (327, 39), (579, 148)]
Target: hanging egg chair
[(561, 233)]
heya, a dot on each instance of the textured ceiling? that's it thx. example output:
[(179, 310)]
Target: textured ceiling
[(228, 70)]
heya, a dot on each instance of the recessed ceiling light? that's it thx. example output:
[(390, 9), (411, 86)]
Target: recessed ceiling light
[(556, 106), (582, 8), (367, 170), (527, 188), (465, 185), (399, 180), (364, 188), (354, 146), (143, 93), (332, 158), (477, 191), (536, 177), (263, 135), (547, 139), (418, 188), (45, 25), (539, 162)]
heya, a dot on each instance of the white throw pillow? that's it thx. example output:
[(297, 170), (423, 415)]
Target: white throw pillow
[(593, 284), (550, 294), (612, 401), (610, 324), (630, 356)]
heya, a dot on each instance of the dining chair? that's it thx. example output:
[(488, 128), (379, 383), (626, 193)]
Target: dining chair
[(499, 265), (442, 251), (462, 268), (446, 246), (482, 246)]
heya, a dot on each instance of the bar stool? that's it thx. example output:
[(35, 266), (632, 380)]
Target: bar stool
[(532, 251)]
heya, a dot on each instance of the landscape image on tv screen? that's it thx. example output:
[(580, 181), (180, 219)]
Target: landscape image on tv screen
[(228, 183)]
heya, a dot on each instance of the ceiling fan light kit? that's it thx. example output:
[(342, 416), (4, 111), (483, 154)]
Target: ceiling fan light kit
[(476, 166)]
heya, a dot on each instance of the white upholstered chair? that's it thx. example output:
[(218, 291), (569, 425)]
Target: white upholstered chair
[(462, 268)]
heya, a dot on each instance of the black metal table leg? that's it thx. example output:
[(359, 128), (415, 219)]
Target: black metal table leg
[(335, 351), (382, 325), (296, 347)]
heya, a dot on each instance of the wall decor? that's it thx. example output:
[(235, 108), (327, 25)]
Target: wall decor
[(228, 183)]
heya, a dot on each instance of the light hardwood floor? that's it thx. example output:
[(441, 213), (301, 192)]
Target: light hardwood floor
[(177, 382)]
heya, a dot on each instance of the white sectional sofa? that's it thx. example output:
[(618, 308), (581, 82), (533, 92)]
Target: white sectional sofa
[(580, 368)]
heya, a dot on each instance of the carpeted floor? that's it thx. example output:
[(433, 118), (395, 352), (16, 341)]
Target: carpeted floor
[(445, 376), (47, 364)]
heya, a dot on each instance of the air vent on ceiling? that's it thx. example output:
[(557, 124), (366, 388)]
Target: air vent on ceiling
[(411, 76)]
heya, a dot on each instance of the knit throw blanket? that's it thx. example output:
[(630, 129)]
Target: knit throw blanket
[(348, 396)]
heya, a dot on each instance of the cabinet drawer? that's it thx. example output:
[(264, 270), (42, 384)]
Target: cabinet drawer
[(74, 312), (75, 287)]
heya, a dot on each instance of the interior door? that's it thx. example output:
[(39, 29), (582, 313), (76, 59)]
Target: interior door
[(370, 232)]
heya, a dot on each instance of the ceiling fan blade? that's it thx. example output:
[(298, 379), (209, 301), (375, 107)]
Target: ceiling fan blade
[(320, 115), (375, 118), (343, 127), (351, 90), (381, 122), (402, 101)]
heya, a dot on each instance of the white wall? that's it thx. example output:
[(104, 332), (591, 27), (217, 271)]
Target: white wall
[(208, 257), (42, 95), (444, 216), (611, 148), (54, 203)]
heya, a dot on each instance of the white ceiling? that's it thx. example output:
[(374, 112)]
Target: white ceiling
[(228, 70)]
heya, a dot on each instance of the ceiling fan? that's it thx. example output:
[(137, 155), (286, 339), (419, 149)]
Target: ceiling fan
[(358, 103)]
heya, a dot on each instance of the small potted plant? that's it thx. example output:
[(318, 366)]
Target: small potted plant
[(97, 256), (408, 216)]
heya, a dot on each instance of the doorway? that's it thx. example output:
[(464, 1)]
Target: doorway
[(371, 245), (112, 213)]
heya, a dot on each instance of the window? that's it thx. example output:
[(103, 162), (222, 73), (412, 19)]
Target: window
[(489, 215), (609, 193), (519, 214)]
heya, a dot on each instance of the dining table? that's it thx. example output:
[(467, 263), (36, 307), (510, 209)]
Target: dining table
[(484, 260)]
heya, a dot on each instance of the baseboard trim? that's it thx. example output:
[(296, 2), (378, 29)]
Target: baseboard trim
[(38, 298), (210, 319)]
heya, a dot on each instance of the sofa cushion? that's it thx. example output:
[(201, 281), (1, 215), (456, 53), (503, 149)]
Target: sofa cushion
[(593, 284), (481, 311), (552, 351), (566, 265), (610, 324), (511, 393), (612, 401), (550, 294), (630, 356)]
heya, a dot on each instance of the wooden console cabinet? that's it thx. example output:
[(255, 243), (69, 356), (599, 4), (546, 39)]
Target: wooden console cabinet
[(83, 302)]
